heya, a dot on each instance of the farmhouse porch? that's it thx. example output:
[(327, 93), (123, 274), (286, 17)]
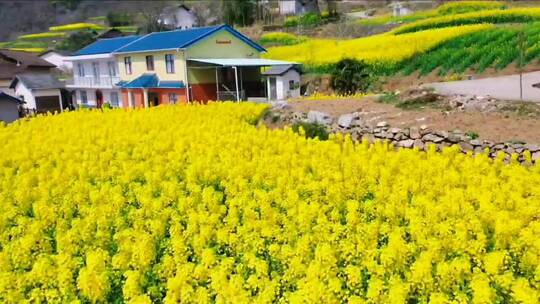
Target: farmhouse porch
[(229, 79)]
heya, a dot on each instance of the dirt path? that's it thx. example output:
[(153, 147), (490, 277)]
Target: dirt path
[(503, 87), (490, 126)]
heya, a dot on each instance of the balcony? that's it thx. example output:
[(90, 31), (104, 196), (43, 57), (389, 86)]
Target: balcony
[(103, 82)]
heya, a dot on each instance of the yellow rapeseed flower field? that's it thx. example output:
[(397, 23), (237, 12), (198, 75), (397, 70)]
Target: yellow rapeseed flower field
[(378, 49), (196, 204)]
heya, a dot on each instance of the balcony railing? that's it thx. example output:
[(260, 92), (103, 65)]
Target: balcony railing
[(95, 82)]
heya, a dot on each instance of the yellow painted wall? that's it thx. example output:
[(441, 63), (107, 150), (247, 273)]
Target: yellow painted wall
[(138, 65), (210, 47), (213, 47), (196, 76)]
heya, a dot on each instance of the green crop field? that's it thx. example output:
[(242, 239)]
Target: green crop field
[(496, 47)]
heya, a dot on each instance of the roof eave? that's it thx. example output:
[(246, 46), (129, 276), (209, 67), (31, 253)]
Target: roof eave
[(148, 51)]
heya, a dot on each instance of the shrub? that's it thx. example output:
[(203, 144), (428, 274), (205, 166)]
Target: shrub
[(116, 19), (77, 41), (306, 20), (311, 130), (280, 38), (351, 76)]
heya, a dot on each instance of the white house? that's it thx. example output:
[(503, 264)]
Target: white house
[(296, 7), (283, 82), (179, 17), (39, 92), (398, 9), (59, 59), (96, 75)]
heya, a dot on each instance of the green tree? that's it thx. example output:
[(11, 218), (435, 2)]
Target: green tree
[(77, 41), (350, 76), (239, 12)]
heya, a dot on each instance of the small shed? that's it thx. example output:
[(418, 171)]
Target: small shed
[(282, 82), (40, 92), (9, 107), (399, 9)]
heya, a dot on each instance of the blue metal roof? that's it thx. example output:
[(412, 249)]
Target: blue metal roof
[(150, 81), (180, 39), (105, 46)]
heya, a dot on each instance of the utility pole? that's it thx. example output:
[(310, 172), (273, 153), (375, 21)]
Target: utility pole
[(521, 45)]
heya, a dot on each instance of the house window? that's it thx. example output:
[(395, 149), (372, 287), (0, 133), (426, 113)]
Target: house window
[(84, 97), (127, 63), (95, 70), (80, 69), (150, 63), (114, 99), (132, 97), (173, 98), (112, 68), (169, 62), (291, 85)]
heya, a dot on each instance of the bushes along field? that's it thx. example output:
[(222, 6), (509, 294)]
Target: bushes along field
[(194, 204)]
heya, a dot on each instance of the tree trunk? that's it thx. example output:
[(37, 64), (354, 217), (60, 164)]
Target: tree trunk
[(332, 8)]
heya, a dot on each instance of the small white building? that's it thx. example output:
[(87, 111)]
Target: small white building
[(179, 17), (296, 7), (398, 9), (283, 82), (59, 59), (40, 92)]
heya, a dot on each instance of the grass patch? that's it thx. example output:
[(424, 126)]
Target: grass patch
[(389, 97), (29, 50), (46, 35), (525, 109), (127, 28), (76, 27)]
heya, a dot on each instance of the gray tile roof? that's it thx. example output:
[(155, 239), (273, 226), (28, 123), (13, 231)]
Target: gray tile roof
[(277, 70), (6, 97), (38, 81)]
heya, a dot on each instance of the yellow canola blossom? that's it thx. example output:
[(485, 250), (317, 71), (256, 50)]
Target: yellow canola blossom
[(198, 204), (381, 49)]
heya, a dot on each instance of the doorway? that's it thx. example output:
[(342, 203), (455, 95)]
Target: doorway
[(99, 99), (273, 88), (153, 99)]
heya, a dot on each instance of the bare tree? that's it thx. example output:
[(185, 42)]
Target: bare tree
[(152, 14)]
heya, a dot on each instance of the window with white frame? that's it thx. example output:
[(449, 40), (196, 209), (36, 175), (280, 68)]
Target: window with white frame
[(84, 97), (112, 68), (173, 98), (95, 71), (114, 99), (169, 63), (80, 69)]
